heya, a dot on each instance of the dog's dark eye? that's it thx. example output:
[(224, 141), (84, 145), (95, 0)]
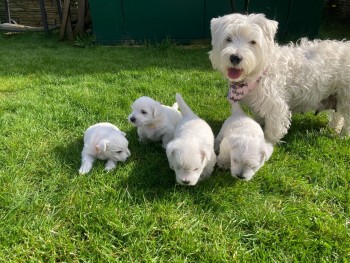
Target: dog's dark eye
[(195, 169), (144, 112), (252, 42), (229, 39), (119, 151)]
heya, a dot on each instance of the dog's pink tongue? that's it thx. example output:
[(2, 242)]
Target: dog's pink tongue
[(234, 73)]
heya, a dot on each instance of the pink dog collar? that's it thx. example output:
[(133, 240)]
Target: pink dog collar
[(238, 90)]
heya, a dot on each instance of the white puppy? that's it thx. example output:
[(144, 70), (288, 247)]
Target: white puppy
[(278, 80), (155, 122), (243, 148), (103, 141), (191, 154)]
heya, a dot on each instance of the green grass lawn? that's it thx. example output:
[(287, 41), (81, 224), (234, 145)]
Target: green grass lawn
[(296, 209)]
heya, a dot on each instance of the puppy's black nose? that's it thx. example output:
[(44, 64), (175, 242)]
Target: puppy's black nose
[(185, 181), (235, 59), (240, 176), (132, 119)]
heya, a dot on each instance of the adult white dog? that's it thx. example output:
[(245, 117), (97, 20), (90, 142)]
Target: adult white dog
[(191, 154), (278, 80), (154, 121), (242, 145), (103, 141)]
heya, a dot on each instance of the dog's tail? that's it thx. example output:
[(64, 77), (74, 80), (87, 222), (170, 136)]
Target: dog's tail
[(175, 106), (185, 109)]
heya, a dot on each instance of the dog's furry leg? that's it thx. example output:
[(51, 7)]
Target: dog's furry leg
[(167, 137), (343, 110), (110, 165), (142, 135), (86, 163), (336, 122), (277, 123)]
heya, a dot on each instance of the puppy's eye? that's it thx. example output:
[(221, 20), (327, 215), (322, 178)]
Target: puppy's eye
[(144, 112), (195, 169), (119, 151), (252, 42), (228, 39)]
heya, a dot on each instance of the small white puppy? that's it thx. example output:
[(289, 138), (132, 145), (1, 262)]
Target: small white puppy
[(191, 153), (103, 141), (243, 148), (154, 121)]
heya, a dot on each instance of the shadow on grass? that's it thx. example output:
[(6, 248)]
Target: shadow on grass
[(308, 125), (69, 155)]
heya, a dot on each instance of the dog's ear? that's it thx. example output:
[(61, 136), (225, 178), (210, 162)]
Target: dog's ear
[(170, 153), (213, 54), (205, 154), (102, 146), (157, 111), (170, 149), (266, 152), (268, 26)]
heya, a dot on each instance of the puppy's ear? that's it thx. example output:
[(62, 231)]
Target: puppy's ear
[(268, 26), (157, 110), (170, 153), (170, 149), (102, 146), (205, 154), (266, 152)]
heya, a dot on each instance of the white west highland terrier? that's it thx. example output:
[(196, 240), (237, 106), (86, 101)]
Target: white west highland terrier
[(154, 121), (278, 80), (103, 141), (191, 153), (242, 145)]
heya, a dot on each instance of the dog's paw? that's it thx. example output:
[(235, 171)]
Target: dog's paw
[(85, 168), (110, 165)]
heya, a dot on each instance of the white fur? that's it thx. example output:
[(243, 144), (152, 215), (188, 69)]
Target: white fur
[(103, 141), (155, 122), (295, 78), (242, 145), (191, 153)]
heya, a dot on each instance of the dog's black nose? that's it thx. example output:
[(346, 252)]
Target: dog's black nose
[(185, 181), (240, 176), (132, 119), (235, 59)]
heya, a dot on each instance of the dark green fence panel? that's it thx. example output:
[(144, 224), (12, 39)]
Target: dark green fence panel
[(215, 8), (184, 20), (273, 9), (304, 18), (154, 19), (107, 20)]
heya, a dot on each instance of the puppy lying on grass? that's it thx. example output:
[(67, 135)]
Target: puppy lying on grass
[(154, 121), (191, 153), (242, 145), (103, 141)]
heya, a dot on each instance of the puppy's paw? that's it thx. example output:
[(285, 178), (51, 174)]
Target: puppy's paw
[(110, 165), (85, 167)]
